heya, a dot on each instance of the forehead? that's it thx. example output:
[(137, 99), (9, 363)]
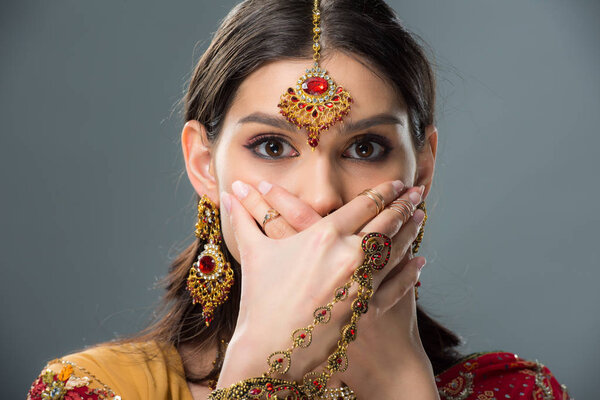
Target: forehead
[(261, 90)]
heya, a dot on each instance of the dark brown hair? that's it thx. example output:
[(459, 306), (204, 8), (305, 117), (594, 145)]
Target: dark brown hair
[(254, 33)]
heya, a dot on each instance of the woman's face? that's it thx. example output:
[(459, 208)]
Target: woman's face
[(371, 145)]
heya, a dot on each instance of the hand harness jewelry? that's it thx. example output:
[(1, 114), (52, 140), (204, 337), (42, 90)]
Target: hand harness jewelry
[(315, 101), (377, 249)]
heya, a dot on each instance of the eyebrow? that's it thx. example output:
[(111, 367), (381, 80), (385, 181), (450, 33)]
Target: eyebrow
[(345, 127)]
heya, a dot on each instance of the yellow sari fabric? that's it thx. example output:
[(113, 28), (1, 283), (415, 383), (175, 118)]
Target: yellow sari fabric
[(131, 371)]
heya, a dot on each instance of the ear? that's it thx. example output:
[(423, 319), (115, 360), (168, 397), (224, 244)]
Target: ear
[(426, 159), (198, 157)]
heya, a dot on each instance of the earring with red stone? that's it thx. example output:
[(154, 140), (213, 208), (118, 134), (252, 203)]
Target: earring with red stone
[(417, 242), (211, 276)]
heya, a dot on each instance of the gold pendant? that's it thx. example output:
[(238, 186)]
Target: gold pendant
[(316, 103)]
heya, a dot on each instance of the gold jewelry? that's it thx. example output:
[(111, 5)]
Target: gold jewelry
[(269, 216), (403, 207), (376, 197), (211, 276), (377, 249), (342, 393), (315, 101), (417, 242)]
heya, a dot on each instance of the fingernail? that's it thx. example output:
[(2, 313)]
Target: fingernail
[(422, 263), (415, 197), (422, 189), (240, 189), (264, 187), (418, 216), (226, 200), (398, 186)]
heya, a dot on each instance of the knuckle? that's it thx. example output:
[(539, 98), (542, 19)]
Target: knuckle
[(328, 235), (300, 217), (273, 229)]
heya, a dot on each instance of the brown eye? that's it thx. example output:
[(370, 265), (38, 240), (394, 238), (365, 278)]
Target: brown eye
[(273, 148), (364, 149), (369, 148)]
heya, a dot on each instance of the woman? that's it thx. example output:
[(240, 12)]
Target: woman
[(310, 129)]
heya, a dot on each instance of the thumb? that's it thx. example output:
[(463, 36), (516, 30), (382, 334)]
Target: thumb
[(247, 233)]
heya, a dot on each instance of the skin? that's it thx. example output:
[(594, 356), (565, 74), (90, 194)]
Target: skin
[(314, 245)]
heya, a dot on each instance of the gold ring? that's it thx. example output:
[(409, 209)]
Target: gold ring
[(376, 197), (404, 208), (269, 216)]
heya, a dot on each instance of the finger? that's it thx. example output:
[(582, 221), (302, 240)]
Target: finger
[(295, 211), (349, 218), (402, 284), (244, 227), (275, 228), (389, 221)]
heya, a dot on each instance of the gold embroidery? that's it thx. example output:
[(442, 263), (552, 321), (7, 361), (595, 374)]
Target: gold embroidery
[(459, 388), (544, 388), (487, 395), (56, 386)]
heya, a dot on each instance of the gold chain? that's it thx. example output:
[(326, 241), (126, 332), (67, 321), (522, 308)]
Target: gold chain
[(316, 32)]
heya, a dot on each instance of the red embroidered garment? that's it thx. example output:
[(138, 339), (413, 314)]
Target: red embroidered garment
[(499, 376)]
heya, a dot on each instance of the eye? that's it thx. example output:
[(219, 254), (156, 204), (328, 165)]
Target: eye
[(271, 147), (369, 148)]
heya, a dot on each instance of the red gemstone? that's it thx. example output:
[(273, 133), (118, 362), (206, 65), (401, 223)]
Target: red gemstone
[(313, 142), (270, 387), (339, 90), (255, 391), (301, 105), (295, 99), (323, 312), (309, 108), (315, 86), (315, 114), (334, 98), (291, 91), (339, 360), (321, 108), (328, 105), (302, 336), (206, 264), (280, 360)]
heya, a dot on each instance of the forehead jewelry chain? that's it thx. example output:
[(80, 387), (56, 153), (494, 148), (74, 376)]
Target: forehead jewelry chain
[(315, 102)]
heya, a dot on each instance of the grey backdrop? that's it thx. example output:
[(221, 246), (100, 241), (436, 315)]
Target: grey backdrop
[(94, 205)]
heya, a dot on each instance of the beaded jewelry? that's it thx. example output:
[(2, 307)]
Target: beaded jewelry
[(315, 101), (377, 249), (211, 276)]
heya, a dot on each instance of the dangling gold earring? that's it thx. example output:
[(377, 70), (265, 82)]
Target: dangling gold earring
[(211, 276), (417, 242)]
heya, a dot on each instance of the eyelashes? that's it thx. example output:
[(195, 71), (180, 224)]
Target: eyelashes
[(272, 146), (368, 147)]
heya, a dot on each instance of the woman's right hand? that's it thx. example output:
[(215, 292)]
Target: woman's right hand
[(285, 280)]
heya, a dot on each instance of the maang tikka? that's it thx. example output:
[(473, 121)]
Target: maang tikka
[(315, 101), (211, 276)]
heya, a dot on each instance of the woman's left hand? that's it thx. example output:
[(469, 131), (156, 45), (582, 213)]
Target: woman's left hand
[(387, 359)]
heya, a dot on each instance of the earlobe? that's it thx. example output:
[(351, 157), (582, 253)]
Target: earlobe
[(426, 159), (197, 155)]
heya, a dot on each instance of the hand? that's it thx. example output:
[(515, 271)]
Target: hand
[(284, 280), (388, 337)]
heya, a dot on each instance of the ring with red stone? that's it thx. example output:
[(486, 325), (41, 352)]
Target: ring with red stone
[(269, 216)]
